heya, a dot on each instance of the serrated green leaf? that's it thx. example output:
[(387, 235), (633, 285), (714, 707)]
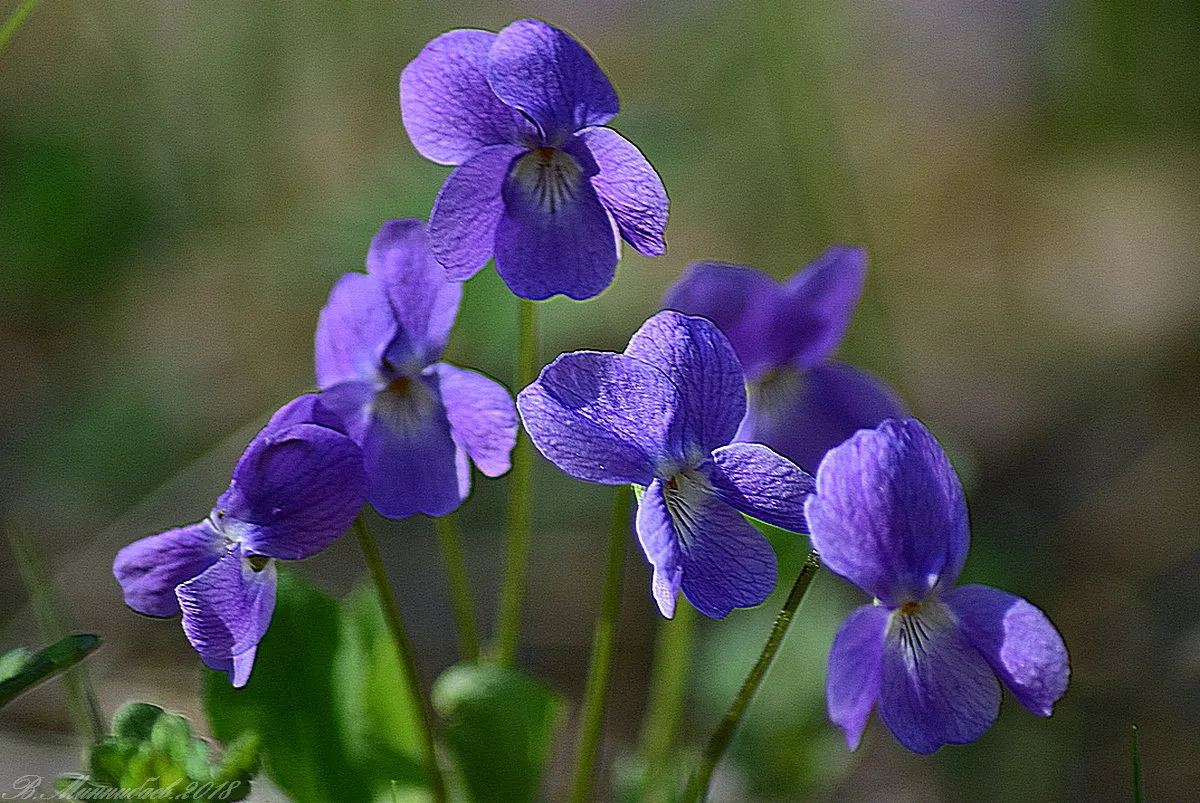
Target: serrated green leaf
[(53, 660), (321, 700), (499, 724)]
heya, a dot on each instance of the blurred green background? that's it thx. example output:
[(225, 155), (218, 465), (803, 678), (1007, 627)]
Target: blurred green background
[(181, 183)]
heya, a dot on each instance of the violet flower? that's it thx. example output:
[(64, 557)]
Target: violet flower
[(419, 422), (662, 415), (540, 183), (802, 403), (890, 517), (297, 487)]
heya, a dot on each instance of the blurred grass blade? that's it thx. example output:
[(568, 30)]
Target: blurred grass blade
[(15, 20), (1136, 758), (46, 664)]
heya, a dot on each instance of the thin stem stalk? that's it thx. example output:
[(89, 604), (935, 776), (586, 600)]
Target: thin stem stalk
[(81, 694), (391, 613), (600, 665), (668, 685), (15, 20), (460, 589), (698, 786), (520, 509)]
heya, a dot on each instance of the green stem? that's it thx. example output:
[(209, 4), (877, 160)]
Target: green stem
[(668, 683), (15, 20), (81, 695), (698, 786), (600, 665), (520, 509), (387, 599), (460, 589)]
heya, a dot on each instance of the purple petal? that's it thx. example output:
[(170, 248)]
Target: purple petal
[(743, 303), (701, 363), (820, 303), (554, 236), (889, 513), (310, 408), (467, 210), (238, 666), (226, 610), (410, 453), (657, 536), (349, 405), (629, 189), (726, 562), (762, 484), (150, 569), (449, 110), (424, 300), (294, 491), (483, 419), (804, 415), (855, 667), (601, 417), (936, 688), (1018, 641), (545, 73), (354, 330)]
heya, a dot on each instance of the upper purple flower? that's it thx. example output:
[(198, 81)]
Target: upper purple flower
[(296, 488), (540, 183), (662, 415), (417, 420), (801, 403), (889, 516)]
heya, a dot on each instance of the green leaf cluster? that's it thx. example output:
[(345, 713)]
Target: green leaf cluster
[(151, 750)]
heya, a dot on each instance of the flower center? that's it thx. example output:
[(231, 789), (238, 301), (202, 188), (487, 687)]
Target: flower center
[(401, 386), (550, 175)]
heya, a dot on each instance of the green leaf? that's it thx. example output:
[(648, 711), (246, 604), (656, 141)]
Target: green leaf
[(498, 723), (136, 720), (326, 700), (51, 661)]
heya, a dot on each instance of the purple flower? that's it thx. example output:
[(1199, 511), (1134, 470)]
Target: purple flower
[(419, 422), (296, 488), (662, 415), (540, 183), (889, 516), (801, 403)]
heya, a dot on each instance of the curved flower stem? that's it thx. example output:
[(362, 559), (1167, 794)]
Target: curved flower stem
[(520, 509), (668, 683), (698, 786), (600, 664), (460, 589), (391, 613)]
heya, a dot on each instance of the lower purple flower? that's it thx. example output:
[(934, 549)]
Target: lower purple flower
[(889, 516), (662, 415), (297, 487)]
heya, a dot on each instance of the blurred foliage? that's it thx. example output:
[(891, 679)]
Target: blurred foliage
[(326, 700), (499, 723), (153, 754)]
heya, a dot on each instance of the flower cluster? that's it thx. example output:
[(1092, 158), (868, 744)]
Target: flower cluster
[(543, 187)]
